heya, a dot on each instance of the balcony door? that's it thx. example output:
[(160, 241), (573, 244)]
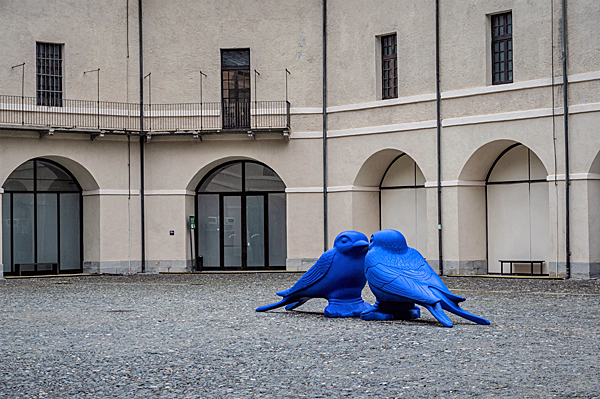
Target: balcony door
[(235, 82)]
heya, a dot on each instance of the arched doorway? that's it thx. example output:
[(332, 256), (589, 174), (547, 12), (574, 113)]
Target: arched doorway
[(41, 220), (241, 218), (517, 209), (403, 201)]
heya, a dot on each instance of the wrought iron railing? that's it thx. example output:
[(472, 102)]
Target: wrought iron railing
[(104, 115)]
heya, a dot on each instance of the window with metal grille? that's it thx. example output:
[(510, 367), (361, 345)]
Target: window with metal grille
[(502, 48), (389, 64), (49, 74)]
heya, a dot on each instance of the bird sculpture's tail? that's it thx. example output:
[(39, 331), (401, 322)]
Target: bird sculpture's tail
[(294, 305), (279, 304), (287, 302), (447, 302)]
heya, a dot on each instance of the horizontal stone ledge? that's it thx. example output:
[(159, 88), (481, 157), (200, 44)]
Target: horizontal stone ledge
[(104, 191)]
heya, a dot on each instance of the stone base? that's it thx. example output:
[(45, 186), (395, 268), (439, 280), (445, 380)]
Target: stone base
[(595, 270), (579, 270), (124, 267), (113, 267), (157, 266), (464, 267), (299, 264)]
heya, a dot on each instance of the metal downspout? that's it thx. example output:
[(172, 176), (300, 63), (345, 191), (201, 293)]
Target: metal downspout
[(142, 210), (566, 128), (439, 135), (325, 227)]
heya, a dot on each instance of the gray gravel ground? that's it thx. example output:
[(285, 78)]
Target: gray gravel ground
[(177, 336)]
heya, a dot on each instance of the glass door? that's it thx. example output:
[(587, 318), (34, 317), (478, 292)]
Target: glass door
[(255, 230), (41, 220), (232, 230), (241, 214)]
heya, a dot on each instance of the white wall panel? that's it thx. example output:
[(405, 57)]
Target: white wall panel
[(402, 173), (512, 166), (508, 224), (405, 210), (518, 214)]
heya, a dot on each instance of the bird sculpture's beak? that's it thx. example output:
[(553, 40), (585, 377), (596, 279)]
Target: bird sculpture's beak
[(360, 243)]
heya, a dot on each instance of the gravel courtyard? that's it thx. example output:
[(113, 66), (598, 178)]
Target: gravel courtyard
[(197, 335)]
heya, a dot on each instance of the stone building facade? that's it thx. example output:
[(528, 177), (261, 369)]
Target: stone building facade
[(222, 119)]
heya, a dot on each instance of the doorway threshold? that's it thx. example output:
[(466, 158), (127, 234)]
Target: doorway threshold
[(54, 275), (236, 272)]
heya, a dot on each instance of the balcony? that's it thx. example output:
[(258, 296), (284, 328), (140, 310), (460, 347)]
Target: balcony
[(100, 117)]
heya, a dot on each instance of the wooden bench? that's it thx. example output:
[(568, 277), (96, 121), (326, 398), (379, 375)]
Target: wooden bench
[(527, 262)]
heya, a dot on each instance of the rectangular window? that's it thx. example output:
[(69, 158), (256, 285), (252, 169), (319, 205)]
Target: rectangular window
[(502, 49), (389, 64), (49, 74), (235, 82)]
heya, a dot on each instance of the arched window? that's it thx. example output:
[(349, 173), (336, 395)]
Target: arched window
[(241, 218), (403, 203), (41, 220), (517, 206)]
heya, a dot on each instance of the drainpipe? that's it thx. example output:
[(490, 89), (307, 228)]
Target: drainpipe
[(566, 128), (142, 210), (439, 134), (326, 241)]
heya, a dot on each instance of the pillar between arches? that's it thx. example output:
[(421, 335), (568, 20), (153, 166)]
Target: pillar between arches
[(463, 224), (1, 264)]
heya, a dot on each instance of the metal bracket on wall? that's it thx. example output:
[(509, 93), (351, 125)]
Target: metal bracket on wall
[(96, 136), (251, 135), (46, 133), (286, 135), (197, 135), (147, 137)]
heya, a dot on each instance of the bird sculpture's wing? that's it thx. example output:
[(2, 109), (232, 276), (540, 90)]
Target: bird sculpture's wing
[(408, 276), (314, 274)]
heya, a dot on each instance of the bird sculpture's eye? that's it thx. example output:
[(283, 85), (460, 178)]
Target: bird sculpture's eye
[(344, 240)]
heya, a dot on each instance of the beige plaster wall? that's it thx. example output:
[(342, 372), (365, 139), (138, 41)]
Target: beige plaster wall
[(94, 35), (584, 131), (353, 46), (180, 165), (100, 164), (183, 37), (460, 143), (582, 39), (593, 220), (114, 228), (464, 40), (382, 116), (101, 169), (1, 256), (166, 213), (348, 154), (304, 225)]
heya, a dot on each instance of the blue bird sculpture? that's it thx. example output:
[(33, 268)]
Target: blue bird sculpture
[(400, 278), (338, 276)]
